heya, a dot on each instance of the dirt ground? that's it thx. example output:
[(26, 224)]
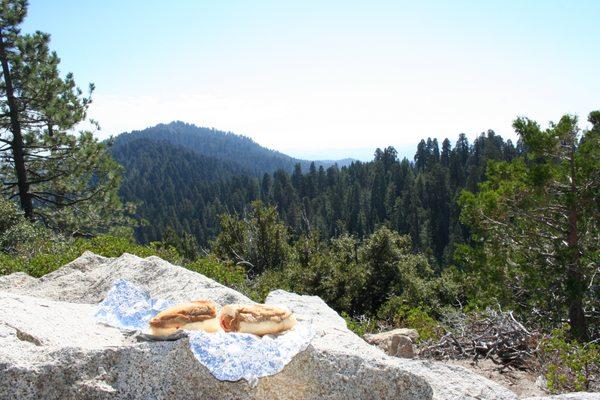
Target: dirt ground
[(523, 383)]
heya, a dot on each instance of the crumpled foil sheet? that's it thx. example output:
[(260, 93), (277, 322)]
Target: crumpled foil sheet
[(228, 356), (129, 307)]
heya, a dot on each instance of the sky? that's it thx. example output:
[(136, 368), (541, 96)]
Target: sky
[(329, 79)]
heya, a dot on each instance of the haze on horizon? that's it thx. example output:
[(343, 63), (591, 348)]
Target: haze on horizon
[(329, 80)]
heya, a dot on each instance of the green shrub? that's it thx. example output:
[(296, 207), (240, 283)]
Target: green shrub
[(52, 254), (19, 236), (393, 310), (285, 279), (258, 239), (397, 312), (360, 325), (428, 327), (569, 366), (9, 264), (45, 260), (224, 273)]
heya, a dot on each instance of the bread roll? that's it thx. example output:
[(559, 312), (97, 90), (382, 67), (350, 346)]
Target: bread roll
[(258, 319), (199, 315)]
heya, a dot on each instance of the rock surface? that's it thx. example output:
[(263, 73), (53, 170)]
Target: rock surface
[(51, 346), (88, 278), (403, 347), (569, 396), (377, 338), (397, 342)]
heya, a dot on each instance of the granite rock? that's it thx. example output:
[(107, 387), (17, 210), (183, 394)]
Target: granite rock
[(397, 342), (376, 338), (403, 347), (88, 278), (51, 346), (568, 396)]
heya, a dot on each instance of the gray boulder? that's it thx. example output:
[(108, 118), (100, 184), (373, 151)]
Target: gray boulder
[(52, 348), (88, 278), (403, 347), (378, 338), (397, 342)]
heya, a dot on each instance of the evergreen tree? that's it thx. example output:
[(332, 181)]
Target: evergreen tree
[(265, 188), (539, 212), (68, 182), (257, 240), (378, 189), (445, 156), (421, 156)]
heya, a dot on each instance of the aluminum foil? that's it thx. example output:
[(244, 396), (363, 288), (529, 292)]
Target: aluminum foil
[(129, 307), (228, 356)]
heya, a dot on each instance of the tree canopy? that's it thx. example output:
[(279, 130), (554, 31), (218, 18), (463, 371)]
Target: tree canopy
[(65, 180), (535, 221)]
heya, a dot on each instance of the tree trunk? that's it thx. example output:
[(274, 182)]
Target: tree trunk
[(575, 282), (17, 142)]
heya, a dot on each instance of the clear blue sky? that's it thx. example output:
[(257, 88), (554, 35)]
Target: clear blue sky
[(325, 79)]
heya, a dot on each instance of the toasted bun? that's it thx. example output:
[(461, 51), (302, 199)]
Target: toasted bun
[(258, 319), (195, 315)]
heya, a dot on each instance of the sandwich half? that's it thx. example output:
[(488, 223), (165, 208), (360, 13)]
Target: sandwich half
[(196, 315), (258, 319)]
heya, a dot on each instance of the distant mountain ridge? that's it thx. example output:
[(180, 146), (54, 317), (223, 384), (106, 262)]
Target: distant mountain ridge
[(184, 176), (227, 146), (172, 186)]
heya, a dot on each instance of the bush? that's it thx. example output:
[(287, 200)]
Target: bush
[(18, 235), (224, 273), (258, 239), (397, 312), (569, 366), (285, 279), (360, 325), (428, 327), (54, 253)]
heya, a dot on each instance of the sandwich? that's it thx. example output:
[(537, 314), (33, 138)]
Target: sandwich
[(198, 315), (258, 319)]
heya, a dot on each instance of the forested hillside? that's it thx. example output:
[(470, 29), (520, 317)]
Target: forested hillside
[(181, 189), (227, 146), (416, 198), (175, 187)]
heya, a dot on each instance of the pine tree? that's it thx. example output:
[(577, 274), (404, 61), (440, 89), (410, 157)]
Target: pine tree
[(265, 188), (68, 182), (421, 156), (446, 150), (378, 195), (257, 241), (540, 211)]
